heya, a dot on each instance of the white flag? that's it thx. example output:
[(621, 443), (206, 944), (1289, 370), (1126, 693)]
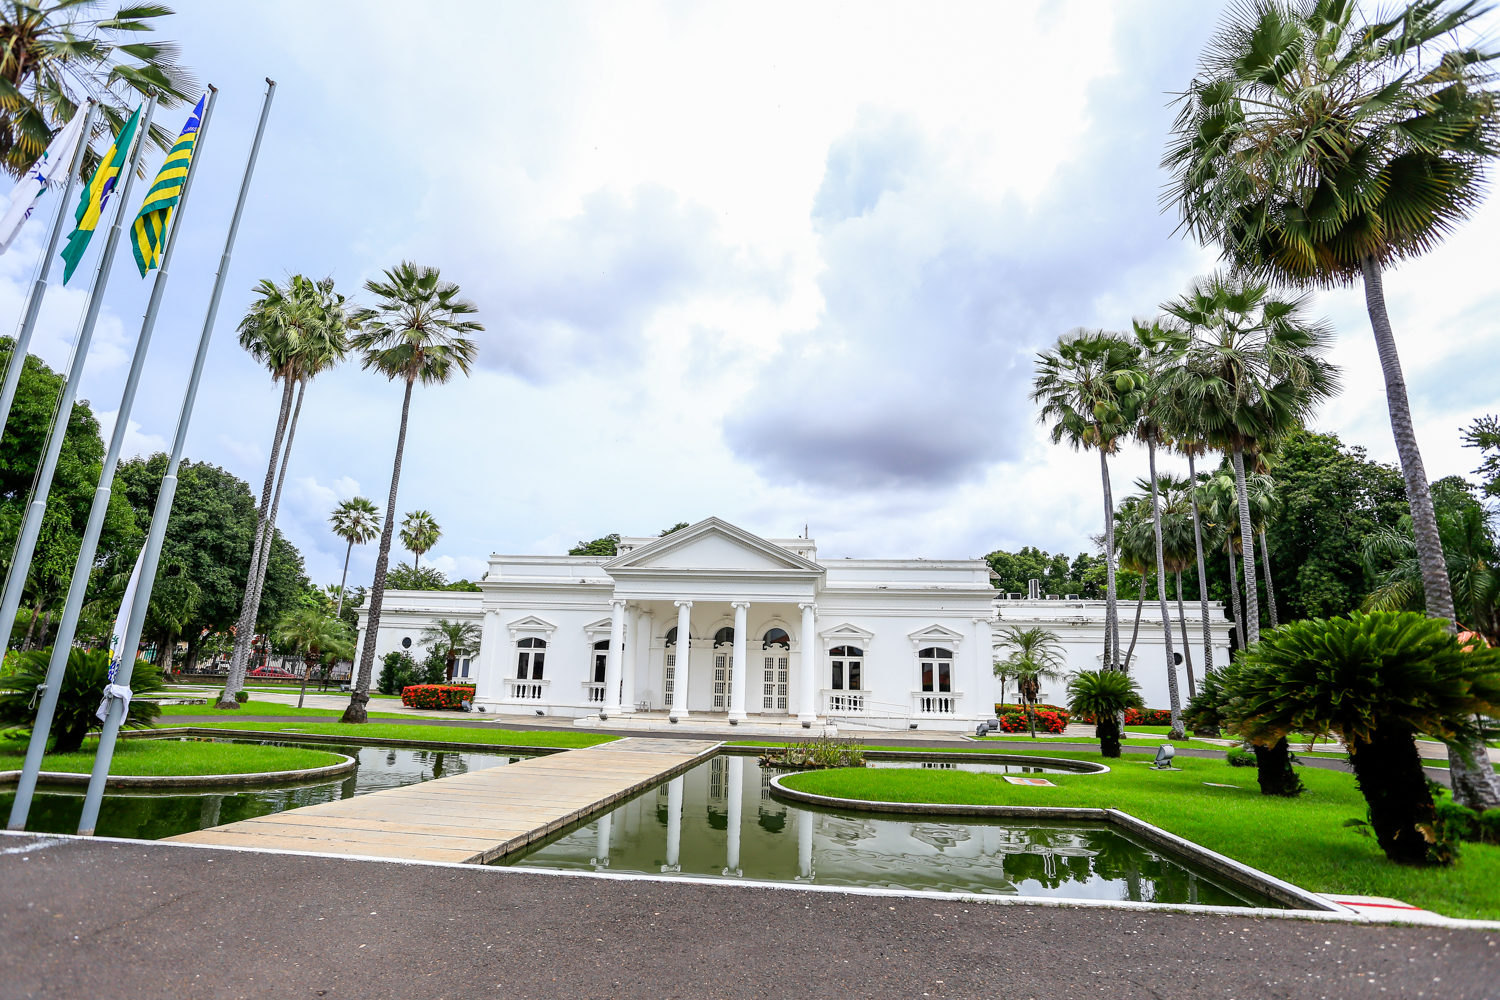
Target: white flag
[(122, 620), (54, 164)]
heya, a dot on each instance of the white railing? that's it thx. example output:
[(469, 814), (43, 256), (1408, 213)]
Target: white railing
[(526, 690), (936, 704), (842, 703), (596, 692)]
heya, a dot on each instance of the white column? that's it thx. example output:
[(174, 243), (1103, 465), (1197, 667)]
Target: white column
[(736, 803), (601, 842), (627, 671), (804, 843), (738, 674), (490, 681), (807, 702), (674, 825), (984, 682), (678, 708), (612, 663)]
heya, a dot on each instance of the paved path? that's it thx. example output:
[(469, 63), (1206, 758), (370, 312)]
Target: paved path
[(110, 919), (473, 817)]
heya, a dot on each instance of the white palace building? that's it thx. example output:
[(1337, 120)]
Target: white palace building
[(712, 624)]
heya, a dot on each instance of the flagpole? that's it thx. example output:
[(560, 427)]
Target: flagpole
[(62, 645), (104, 755), (39, 288), (20, 564)]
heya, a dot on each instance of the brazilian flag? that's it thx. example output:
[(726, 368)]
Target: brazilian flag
[(96, 196), (148, 237)]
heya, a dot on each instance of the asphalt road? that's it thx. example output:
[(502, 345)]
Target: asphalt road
[(111, 919)]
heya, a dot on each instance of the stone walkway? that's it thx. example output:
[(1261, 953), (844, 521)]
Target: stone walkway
[(474, 817)]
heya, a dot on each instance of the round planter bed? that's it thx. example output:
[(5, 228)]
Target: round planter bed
[(343, 766), (935, 808)]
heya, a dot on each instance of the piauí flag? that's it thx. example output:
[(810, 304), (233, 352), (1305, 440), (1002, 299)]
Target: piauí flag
[(96, 196), (148, 237), (52, 164)]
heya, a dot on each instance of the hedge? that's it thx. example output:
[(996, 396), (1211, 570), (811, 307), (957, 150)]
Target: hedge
[(436, 695), (1047, 720)]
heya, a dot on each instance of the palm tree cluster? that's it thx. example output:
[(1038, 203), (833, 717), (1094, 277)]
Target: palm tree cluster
[(417, 331)]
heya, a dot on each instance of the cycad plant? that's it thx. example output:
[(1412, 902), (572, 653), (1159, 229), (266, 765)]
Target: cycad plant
[(317, 634), (356, 521), (1089, 390), (418, 331), (450, 640), (1379, 681), (419, 533), (1103, 695), (1318, 147), (78, 700), (1036, 655)]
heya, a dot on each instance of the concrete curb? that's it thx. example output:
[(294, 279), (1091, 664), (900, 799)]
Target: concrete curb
[(346, 765), (367, 741), (1283, 892)]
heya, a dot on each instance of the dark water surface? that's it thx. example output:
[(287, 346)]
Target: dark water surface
[(720, 820), (145, 815)]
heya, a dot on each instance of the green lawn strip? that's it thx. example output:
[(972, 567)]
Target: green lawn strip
[(174, 757), (253, 707), (1302, 840), (435, 734)]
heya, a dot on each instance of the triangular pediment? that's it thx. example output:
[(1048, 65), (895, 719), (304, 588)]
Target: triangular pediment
[(530, 625), (712, 545), (935, 633)]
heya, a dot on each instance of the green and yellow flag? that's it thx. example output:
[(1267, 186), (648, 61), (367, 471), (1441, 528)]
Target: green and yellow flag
[(148, 237), (96, 196)]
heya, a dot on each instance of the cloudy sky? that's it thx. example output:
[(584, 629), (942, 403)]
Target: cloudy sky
[(782, 263)]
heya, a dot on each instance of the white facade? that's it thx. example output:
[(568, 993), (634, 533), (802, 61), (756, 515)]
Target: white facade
[(772, 633)]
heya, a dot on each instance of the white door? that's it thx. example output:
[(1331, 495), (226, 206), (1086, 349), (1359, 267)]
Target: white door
[(723, 680), (773, 685)]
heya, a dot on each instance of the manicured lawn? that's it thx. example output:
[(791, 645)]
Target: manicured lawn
[(437, 734), (174, 757), (253, 707), (1302, 840)]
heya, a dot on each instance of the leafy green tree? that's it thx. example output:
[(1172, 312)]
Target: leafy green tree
[(404, 577), (452, 639), (1036, 655), (78, 699), (418, 331), (1087, 391), (317, 634), (676, 527), (1083, 576), (606, 546), (1484, 434), (1103, 695), (419, 533), (55, 56), (357, 522), (1379, 681), (398, 670), (1317, 148)]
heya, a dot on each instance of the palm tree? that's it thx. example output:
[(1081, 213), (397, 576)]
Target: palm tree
[(1087, 388), (1317, 148), (452, 639), (1220, 499), (1133, 535), (1189, 443), (1036, 656), (419, 533), (356, 521), (416, 332), (1179, 547), (318, 634), (297, 331), (54, 57), (1103, 695), (1254, 372)]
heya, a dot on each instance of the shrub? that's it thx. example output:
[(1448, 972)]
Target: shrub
[(1455, 821), (434, 669), (242, 696), (397, 670), (78, 699), (1039, 706), (1239, 757), (818, 753), (1489, 826), (436, 695), (1013, 722)]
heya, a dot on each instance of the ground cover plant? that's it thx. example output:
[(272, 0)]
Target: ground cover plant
[(160, 757), (428, 733), (1303, 840), (253, 707)]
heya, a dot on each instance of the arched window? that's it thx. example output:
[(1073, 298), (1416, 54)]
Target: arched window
[(846, 663), (937, 668), (601, 659), (672, 636), (532, 659), (776, 637), (724, 637)]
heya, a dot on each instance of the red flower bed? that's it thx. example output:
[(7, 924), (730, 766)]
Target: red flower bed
[(436, 695), (1047, 721), (1141, 717)]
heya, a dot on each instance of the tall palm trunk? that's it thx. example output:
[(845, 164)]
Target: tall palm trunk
[(344, 580), (1479, 784), (1208, 635), (1111, 604), (243, 634), (1247, 555), (1161, 592), (1265, 558), (308, 659), (1140, 600), (1234, 593), (361, 693), (1187, 647)]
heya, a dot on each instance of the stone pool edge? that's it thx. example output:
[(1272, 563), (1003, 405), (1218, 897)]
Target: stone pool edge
[(305, 774), (1278, 889), (285, 736)]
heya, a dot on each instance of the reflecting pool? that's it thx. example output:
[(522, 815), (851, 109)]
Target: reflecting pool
[(146, 815), (720, 820)]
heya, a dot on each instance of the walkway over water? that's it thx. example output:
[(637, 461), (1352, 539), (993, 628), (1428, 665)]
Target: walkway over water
[(474, 817)]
